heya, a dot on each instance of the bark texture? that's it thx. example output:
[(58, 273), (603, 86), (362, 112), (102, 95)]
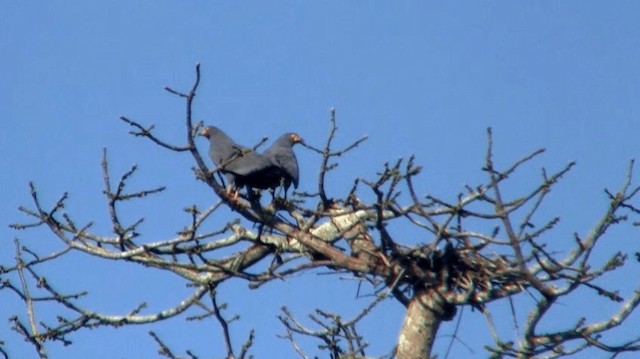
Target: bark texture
[(419, 328)]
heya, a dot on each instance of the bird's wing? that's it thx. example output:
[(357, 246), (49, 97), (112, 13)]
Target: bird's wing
[(289, 163), (248, 163)]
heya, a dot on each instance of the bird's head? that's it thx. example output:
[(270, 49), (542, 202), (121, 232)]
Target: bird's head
[(206, 132), (295, 138)]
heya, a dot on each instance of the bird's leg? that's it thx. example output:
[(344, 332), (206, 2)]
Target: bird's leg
[(253, 195), (232, 192), (285, 188), (276, 191), (232, 196), (254, 200)]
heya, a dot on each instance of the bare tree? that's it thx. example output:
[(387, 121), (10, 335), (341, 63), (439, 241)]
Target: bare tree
[(481, 248)]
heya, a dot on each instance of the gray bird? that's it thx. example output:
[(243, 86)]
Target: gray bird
[(241, 165), (285, 164)]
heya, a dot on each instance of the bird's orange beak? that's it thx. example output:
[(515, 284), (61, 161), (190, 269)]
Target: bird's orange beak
[(205, 132), (295, 138)]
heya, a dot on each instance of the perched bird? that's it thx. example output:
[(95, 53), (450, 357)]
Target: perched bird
[(285, 164), (241, 165)]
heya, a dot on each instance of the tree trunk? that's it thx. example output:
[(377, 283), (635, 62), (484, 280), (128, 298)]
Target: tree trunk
[(420, 326)]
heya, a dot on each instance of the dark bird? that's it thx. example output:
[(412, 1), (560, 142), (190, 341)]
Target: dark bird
[(241, 165), (285, 164)]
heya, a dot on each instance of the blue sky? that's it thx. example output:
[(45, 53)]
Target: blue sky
[(423, 78)]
